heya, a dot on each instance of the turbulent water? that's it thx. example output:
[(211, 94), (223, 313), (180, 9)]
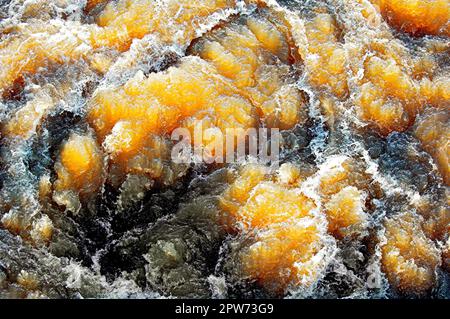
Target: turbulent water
[(93, 206)]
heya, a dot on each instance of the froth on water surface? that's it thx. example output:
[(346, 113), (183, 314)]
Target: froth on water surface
[(355, 205)]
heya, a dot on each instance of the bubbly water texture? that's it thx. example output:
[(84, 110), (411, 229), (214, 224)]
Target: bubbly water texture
[(93, 206)]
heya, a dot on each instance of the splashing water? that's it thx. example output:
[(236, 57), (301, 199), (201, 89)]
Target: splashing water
[(92, 206)]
